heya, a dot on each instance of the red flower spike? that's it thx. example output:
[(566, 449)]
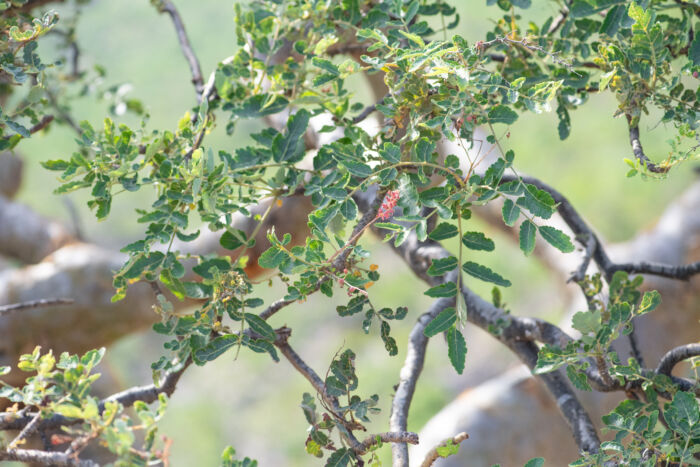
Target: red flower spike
[(386, 210)]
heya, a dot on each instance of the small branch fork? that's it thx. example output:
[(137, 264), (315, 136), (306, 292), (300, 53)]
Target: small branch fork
[(168, 7), (433, 455), (596, 251)]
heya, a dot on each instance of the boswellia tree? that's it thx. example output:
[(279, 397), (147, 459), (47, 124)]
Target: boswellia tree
[(437, 155)]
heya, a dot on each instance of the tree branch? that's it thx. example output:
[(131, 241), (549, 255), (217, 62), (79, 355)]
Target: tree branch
[(389, 437), (638, 150), (168, 7), (7, 309), (601, 258), (408, 377), (419, 257), (675, 356), (127, 398), (34, 456), (318, 384), (433, 455)]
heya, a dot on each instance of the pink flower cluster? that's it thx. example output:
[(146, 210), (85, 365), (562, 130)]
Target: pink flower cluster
[(386, 210)]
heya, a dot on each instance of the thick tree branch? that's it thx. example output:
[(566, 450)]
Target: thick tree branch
[(36, 457), (433, 455), (656, 269), (675, 356), (408, 377), (25, 235), (168, 7)]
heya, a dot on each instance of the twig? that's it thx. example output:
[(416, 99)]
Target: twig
[(367, 112), (26, 431), (42, 303), (482, 46), (559, 22), (43, 123), (675, 356), (318, 384), (589, 247), (638, 150), (389, 437), (168, 7), (433, 455), (148, 393), (634, 345)]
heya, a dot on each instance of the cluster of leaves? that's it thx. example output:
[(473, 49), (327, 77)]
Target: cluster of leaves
[(63, 388), (288, 69), (647, 53), (20, 66), (648, 434), (654, 433)]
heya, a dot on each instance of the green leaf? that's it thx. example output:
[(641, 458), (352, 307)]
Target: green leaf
[(442, 265), (456, 349), (477, 241), (354, 306), (527, 236), (391, 152), (649, 302), (290, 147), (538, 202), (416, 39), (511, 212), (215, 348), (578, 378), (502, 114), (55, 164), (684, 414), (325, 65), (340, 458), (358, 169), (442, 322), (587, 322), (197, 290), (260, 326), (485, 274), (262, 346), (232, 239), (272, 258), (349, 209), (448, 289), (535, 462), (694, 50), (557, 239), (443, 231)]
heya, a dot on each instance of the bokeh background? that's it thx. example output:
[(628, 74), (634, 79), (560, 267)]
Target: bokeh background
[(251, 402)]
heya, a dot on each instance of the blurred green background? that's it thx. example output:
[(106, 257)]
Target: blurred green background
[(253, 403)]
